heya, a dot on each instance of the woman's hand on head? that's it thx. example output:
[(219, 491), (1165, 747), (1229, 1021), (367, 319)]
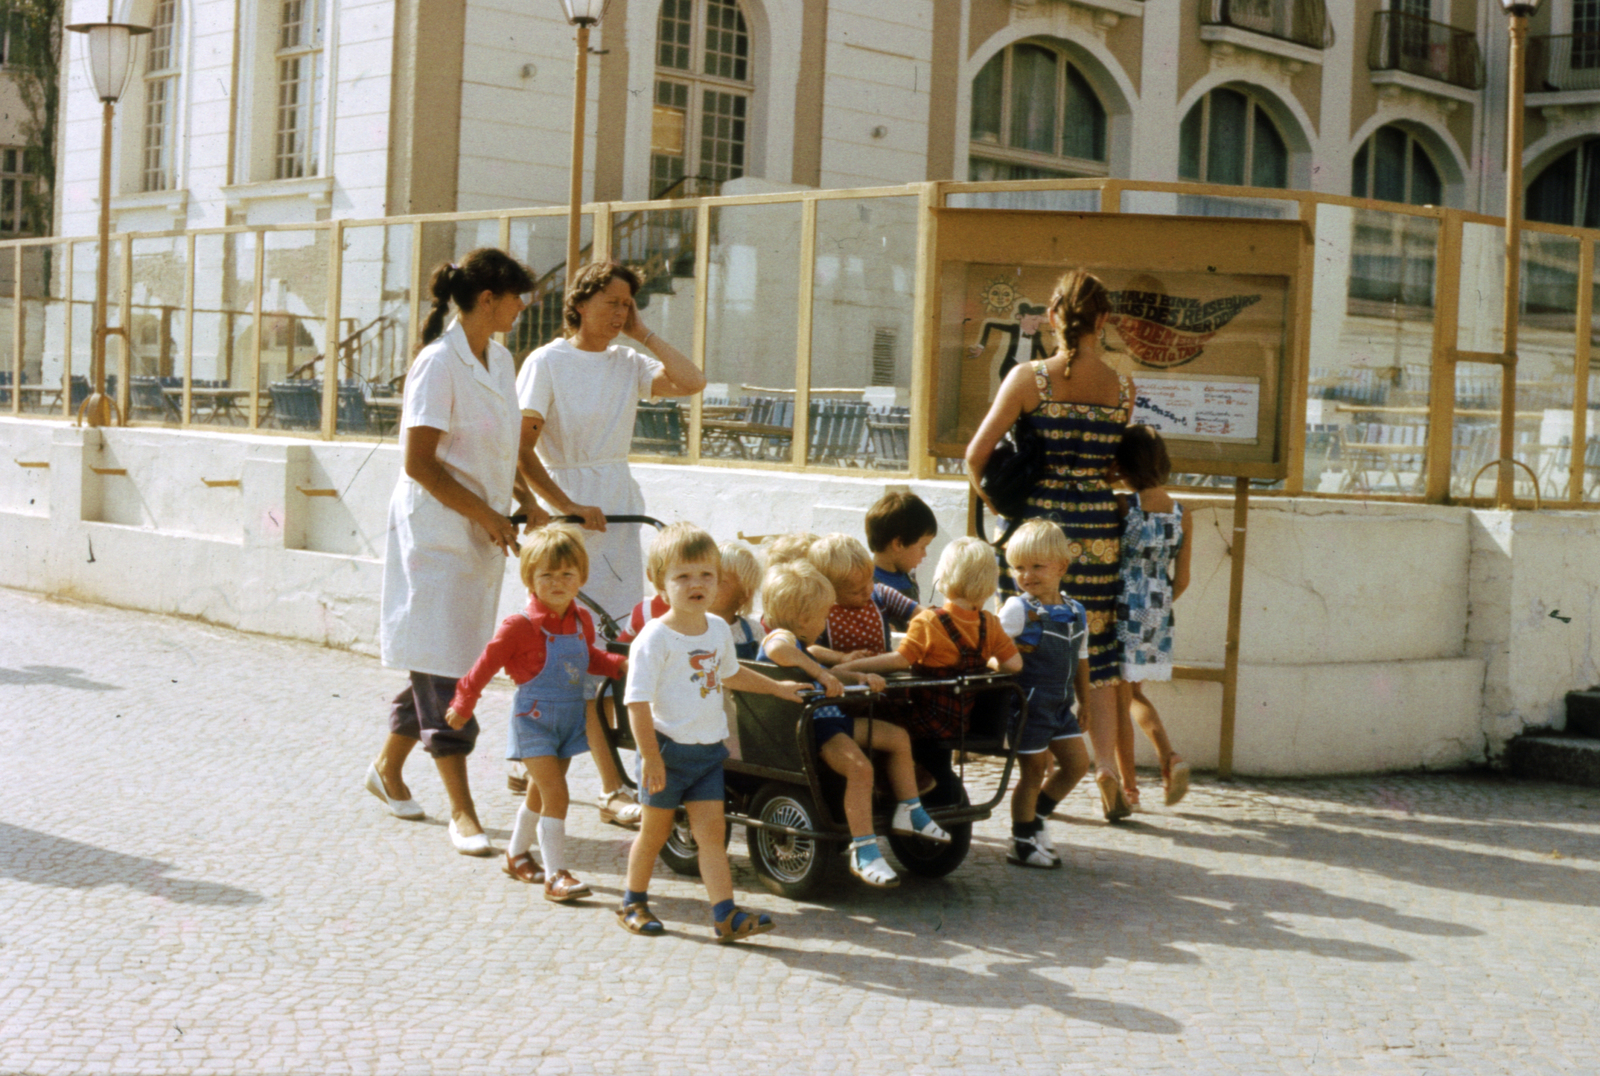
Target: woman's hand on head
[(634, 327)]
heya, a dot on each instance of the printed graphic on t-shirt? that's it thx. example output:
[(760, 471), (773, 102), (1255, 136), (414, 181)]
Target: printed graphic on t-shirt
[(705, 664)]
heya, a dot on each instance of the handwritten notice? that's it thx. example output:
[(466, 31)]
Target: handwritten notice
[(1200, 409)]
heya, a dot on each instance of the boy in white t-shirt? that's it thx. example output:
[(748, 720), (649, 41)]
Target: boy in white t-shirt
[(678, 669)]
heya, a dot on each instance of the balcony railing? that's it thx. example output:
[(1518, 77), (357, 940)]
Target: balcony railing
[(1562, 63), (1425, 48), (1303, 22)]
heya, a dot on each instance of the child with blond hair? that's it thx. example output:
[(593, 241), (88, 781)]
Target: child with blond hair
[(680, 666), (1050, 630), (785, 548), (546, 649), (858, 622), (737, 591), (796, 603)]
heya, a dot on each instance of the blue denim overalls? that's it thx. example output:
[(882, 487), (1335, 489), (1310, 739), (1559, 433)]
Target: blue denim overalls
[(547, 717), (1047, 673)]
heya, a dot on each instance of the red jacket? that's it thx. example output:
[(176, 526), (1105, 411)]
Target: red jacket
[(518, 648), (647, 610)]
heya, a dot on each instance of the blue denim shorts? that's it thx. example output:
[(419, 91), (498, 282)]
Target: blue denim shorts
[(694, 773), (558, 732), (1045, 728), (829, 721)]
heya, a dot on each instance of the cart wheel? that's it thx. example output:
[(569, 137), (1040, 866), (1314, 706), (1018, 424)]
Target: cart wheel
[(792, 867), (681, 853), (928, 859)]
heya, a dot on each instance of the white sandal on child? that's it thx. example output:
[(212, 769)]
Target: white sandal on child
[(902, 824), (875, 872)]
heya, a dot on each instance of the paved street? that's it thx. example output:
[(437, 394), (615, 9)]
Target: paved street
[(193, 880)]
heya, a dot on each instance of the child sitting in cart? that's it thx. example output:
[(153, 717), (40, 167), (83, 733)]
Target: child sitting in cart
[(858, 622), (679, 668), (796, 601), (900, 527), (546, 649), (1050, 630), (958, 639), (736, 594)]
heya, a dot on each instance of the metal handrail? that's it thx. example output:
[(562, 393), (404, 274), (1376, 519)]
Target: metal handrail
[(1562, 63), (1301, 22), (1427, 49)]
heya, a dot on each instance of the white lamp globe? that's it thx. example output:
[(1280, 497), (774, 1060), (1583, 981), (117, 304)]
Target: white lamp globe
[(584, 12), (109, 55)]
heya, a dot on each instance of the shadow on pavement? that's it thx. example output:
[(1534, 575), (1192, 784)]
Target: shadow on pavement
[(53, 676), (42, 859)]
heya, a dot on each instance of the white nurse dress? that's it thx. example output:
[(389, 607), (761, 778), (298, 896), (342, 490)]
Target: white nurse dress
[(441, 572)]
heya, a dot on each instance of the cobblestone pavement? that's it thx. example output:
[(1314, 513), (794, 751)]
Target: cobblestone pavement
[(192, 880)]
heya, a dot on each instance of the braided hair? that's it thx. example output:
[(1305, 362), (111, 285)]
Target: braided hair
[(484, 269), (1079, 301)]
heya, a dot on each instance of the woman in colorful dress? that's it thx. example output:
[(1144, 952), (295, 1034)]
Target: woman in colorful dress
[(1079, 407)]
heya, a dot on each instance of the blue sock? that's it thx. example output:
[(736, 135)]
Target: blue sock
[(866, 849), (721, 910), (629, 896), (919, 816)]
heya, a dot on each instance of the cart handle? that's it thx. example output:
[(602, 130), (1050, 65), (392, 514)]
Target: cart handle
[(521, 518)]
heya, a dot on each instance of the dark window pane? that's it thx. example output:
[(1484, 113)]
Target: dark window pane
[(986, 91), (1389, 164), (1358, 174), (1189, 143), (1590, 186), (1083, 132), (1225, 146), (1550, 198), (1426, 186), (1033, 98), (1270, 163)]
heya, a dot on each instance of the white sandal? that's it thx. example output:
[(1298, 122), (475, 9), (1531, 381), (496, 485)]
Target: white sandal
[(410, 810), (1026, 852), (875, 872), (930, 832), (620, 808)]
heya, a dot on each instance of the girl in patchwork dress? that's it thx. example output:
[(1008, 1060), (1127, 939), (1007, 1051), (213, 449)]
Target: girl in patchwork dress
[(1079, 407), (1155, 572)]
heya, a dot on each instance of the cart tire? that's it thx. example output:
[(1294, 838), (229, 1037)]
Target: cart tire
[(681, 853), (793, 867), (927, 859)]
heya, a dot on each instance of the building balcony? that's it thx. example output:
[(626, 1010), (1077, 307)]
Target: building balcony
[(1295, 30), (1564, 69), (1431, 57)]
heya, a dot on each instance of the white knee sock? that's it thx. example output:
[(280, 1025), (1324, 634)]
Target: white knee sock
[(522, 834), (553, 843)]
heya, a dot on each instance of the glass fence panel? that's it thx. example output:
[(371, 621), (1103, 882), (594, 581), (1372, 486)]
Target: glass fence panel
[(1475, 432), (156, 329), (1480, 321), (1371, 352), (295, 344), (1170, 203), (44, 312), (540, 243), (376, 334), (10, 359), (659, 245), (1547, 346), (80, 371), (1590, 474), (1073, 201), (224, 329), (752, 331), (864, 294)]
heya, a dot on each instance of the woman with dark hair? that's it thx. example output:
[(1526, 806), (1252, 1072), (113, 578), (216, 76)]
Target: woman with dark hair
[(579, 395), (449, 529), (1079, 407)]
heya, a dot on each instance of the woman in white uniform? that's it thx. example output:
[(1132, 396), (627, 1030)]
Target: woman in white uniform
[(449, 530), (580, 394)]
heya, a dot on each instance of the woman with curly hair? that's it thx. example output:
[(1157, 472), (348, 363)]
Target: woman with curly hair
[(1079, 407), (579, 394)]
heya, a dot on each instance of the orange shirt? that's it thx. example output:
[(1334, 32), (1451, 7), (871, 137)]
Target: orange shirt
[(928, 644)]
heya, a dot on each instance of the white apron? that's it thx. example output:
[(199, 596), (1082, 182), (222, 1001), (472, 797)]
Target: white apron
[(588, 400), (441, 572)]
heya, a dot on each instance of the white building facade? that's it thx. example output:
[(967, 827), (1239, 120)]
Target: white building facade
[(274, 111)]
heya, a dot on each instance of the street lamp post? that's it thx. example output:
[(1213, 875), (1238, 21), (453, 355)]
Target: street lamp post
[(585, 15), (109, 58), (1517, 13)]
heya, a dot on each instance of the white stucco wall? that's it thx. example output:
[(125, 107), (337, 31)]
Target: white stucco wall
[(1376, 637)]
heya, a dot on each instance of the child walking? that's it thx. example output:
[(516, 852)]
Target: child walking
[(1156, 534), (1049, 629), (679, 667), (546, 649), (796, 603), (900, 527)]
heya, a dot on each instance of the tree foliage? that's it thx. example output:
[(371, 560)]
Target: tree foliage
[(33, 62)]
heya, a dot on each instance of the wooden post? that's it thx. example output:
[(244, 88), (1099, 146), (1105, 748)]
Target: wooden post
[(1230, 664), (802, 353), (16, 331), (1505, 487), (580, 93), (702, 297), (188, 332), (330, 345), (1580, 389)]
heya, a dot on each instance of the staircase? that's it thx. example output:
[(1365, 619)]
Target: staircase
[(1572, 756)]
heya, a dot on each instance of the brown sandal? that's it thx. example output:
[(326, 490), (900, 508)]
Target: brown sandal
[(637, 919), (562, 887), (1112, 800), (523, 868)]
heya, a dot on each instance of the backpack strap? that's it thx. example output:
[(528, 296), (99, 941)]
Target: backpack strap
[(966, 652)]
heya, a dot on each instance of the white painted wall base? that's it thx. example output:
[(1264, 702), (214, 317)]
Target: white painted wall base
[(1376, 637)]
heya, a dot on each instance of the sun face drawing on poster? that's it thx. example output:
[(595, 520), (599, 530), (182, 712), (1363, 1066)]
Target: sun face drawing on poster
[(1203, 349)]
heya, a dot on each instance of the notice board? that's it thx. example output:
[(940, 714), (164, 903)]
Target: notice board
[(1204, 321)]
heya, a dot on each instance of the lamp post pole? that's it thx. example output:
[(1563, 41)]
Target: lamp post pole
[(585, 15), (1517, 14)]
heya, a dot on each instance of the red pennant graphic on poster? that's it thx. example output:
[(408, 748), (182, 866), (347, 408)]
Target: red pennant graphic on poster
[(1168, 330)]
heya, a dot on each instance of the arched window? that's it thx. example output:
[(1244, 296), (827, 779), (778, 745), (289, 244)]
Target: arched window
[(1035, 116), (704, 79), (1393, 166), (1568, 190), (160, 99), (1228, 137)]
